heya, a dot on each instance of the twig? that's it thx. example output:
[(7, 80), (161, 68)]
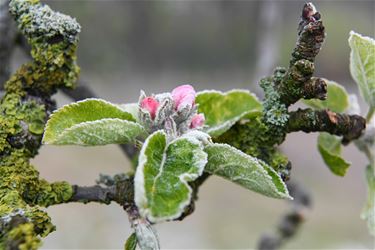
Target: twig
[(120, 189), (308, 120), (95, 193), (310, 35), (286, 87), (290, 221)]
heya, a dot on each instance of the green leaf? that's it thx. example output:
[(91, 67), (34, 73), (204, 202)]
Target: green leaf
[(362, 65), (100, 132), (337, 98), (245, 170), (164, 170), (131, 242), (147, 237), (330, 149), (91, 122), (222, 110), (368, 212)]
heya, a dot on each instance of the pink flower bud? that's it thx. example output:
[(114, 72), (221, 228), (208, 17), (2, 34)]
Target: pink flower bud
[(151, 105), (183, 95), (197, 121)]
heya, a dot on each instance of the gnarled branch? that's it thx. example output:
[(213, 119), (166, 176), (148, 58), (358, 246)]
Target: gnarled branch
[(308, 120), (290, 221)]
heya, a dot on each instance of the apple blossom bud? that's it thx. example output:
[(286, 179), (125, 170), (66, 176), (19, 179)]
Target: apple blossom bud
[(151, 105), (183, 96), (197, 121)]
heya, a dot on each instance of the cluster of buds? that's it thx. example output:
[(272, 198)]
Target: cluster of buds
[(174, 112)]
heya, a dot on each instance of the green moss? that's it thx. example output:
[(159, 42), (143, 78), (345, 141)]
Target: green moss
[(53, 38), (9, 201), (23, 112), (50, 194), (24, 236), (42, 222), (21, 224)]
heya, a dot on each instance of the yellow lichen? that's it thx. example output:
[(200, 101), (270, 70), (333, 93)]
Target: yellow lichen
[(24, 110), (23, 236)]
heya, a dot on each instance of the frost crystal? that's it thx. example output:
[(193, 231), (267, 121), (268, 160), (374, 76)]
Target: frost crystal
[(7, 218), (41, 20)]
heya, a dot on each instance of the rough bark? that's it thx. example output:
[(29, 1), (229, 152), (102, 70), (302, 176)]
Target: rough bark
[(308, 120), (290, 221)]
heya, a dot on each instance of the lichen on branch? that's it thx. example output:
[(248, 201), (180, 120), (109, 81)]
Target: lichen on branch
[(259, 135), (27, 104), (24, 110), (308, 120)]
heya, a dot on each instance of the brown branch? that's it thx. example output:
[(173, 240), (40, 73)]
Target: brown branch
[(95, 193), (297, 82), (120, 189), (291, 88), (310, 35), (308, 120), (290, 221), (287, 86), (315, 88)]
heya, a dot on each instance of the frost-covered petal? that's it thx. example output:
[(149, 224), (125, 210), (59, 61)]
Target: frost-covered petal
[(151, 105), (183, 96)]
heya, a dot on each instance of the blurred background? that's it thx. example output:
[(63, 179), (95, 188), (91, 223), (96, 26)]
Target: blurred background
[(126, 46)]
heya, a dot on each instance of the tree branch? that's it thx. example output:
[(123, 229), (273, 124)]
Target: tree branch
[(297, 82), (95, 193), (308, 120), (24, 110), (120, 189), (290, 221), (315, 88), (310, 35)]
